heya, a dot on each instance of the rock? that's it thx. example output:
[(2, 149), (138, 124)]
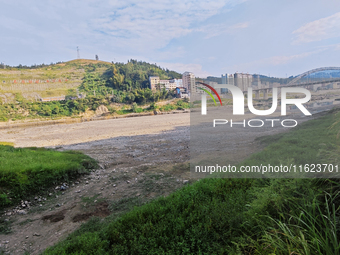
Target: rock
[(36, 234), (185, 181), (22, 212), (127, 182), (57, 205), (62, 188), (57, 187), (114, 185), (87, 182), (36, 198), (26, 237), (101, 110), (77, 191), (76, 182), (39, 200), (50, 194)]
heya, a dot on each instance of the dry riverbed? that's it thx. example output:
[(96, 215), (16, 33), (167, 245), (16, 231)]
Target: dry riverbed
[(140, 158)]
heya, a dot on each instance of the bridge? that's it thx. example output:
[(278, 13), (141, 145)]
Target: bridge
[(294, 82)]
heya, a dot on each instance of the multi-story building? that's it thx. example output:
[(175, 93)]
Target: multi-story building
[(176, 82), (188, 80), (227, 79), (154, 81), (243, 80)]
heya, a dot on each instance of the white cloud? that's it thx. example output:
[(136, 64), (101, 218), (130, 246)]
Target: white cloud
[(149, 25), (219, 29), (275, 61), (318, 30)]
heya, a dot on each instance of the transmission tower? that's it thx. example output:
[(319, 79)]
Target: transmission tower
[(78, 55)]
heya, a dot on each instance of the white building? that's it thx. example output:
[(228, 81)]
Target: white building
[(188, 80), (156, 83)]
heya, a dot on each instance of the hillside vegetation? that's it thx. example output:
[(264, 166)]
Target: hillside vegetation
[(101, 83), (233, 216)]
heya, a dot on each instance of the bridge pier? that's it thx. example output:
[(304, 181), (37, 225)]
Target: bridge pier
[(265, 94), (257, 94)]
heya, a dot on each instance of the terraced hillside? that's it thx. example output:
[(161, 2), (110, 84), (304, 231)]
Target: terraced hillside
[(49, 81)]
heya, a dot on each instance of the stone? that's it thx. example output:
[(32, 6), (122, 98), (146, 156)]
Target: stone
[(87, 182), (36, 234), (22, 212), (185, 181)]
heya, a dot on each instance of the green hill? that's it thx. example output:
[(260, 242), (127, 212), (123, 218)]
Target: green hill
[(53, 80), (89, 83)]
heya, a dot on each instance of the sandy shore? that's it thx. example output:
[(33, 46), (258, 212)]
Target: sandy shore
[(66, 134)]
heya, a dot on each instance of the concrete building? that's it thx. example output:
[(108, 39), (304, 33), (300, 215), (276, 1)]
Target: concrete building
[(243, 80), (181, 92), (177, 82), (257, 82), (188, 80), (227, 78), (154, 81)]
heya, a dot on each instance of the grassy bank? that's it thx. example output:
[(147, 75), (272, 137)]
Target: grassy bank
[(234, 216), (26, 171)]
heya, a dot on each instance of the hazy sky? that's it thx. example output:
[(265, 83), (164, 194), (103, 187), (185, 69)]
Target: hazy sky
[(271, 37)]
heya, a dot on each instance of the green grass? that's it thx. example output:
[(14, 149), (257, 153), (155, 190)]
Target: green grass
[(26, 171), (233, 216)]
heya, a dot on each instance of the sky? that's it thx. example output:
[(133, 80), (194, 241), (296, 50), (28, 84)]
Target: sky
[(207, 37)]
